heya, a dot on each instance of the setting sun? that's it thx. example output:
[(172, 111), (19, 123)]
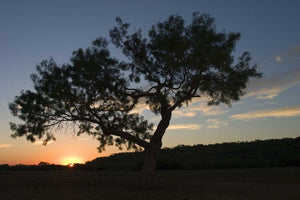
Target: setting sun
[(71, 160)]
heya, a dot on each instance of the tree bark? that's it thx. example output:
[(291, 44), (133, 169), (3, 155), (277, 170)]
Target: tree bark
[(151, 153), (149, 166)]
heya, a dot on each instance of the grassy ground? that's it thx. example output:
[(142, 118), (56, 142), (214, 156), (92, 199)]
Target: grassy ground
[(235, 184)]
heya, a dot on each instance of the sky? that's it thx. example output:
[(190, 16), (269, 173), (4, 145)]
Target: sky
[(31, 31)]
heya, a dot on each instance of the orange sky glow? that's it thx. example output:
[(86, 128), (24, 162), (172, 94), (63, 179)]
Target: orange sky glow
[(71, 160), (64, 151)]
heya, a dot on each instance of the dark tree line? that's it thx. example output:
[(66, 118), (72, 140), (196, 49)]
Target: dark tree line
[(260, 153)]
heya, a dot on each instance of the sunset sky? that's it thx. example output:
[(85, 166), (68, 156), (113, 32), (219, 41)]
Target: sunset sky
[(31, 31)]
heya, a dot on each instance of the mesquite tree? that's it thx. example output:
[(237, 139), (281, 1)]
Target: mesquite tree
[(98, 93)]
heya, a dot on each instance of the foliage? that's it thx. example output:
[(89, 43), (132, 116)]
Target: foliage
[(98, 93)]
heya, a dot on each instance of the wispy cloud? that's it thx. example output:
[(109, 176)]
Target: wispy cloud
[(140, 107), (292, 53), (83, 139), (268, 88), (185, 112), (278, 59), (184, 126), (290, 111), (41, 142), (215, 123), (199, 106), (5, 145)]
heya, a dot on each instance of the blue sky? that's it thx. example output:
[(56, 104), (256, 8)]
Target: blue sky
[(31, 31)]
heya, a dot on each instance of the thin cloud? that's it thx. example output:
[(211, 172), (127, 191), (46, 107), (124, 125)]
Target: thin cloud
[(41, 142), (294, 52), (268, 88), (184, 126), (140, 108), (5, 145), (184, 113), (292, 55), (83, 139), (290, 111), (199, 106), (278, 59), (215, 123)]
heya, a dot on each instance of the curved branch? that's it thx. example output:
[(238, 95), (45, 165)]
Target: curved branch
[(125, 135)]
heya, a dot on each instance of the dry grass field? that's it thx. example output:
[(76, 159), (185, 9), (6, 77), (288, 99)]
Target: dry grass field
[(229, 184)]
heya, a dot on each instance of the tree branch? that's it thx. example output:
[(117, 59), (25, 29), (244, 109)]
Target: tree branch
[(125, 135)]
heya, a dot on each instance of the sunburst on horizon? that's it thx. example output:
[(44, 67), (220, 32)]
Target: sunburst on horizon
[(71, 160)]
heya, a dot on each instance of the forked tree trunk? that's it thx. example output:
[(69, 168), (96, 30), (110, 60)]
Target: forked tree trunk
[(149, 165)]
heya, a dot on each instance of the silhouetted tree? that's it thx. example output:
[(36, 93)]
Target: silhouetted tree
[(174, 64), (43, 164)]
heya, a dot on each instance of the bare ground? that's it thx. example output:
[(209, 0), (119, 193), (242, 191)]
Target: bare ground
[(229, 184)]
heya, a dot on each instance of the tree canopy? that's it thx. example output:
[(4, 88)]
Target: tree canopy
[(176, 62)]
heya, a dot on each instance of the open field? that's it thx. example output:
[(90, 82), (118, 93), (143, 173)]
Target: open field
[(231, 184)]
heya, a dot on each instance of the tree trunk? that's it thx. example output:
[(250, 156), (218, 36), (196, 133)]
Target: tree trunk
[(149, 165), (151, 152)]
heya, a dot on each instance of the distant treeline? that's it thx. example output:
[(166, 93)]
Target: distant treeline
[(40, 166), (258, 153)]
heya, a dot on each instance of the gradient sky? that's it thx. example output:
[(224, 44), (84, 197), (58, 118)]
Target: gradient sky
[(31, 31)]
